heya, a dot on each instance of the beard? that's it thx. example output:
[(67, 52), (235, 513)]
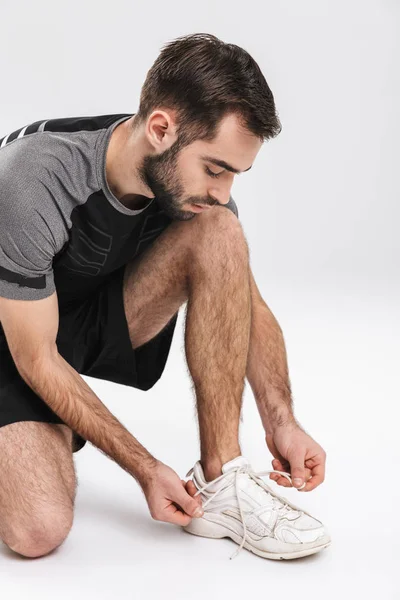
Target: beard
[(160, 174)]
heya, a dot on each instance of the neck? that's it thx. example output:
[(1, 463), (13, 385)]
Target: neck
[(123, 157)]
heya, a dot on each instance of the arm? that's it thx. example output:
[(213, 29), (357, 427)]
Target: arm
[(294, 451), (30, 237), (267, 368), (31, 328)]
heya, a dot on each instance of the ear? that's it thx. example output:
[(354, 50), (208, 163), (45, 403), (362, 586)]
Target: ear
[(161, 130)]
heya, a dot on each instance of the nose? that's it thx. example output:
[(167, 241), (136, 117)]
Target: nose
[(220, 198)]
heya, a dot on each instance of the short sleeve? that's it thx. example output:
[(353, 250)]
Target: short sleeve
[(26, 252), (232, 206)]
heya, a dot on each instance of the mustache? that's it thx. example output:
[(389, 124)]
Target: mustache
[(209, 202)]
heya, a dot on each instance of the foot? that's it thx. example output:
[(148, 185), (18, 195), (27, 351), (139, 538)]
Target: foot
[(240, 505)]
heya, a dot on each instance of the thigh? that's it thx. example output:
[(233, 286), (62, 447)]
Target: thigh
[(94, 338), (38, 481)]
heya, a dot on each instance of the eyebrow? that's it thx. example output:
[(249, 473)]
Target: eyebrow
[(223, 164)]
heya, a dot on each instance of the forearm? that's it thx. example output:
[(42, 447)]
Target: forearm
[(267, 369), (69, 396)]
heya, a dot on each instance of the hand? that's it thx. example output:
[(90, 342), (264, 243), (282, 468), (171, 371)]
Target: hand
[(168, 498), (298, 454)]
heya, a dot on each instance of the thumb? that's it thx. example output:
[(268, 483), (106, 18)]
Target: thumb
[(190, 505), (297, 471)]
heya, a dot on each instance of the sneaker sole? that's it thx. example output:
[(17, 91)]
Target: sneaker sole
[(204, 528)]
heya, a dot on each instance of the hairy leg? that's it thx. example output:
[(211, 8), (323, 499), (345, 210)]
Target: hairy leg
[(205, 262), (156, 284), (37, 486), (217, 339)]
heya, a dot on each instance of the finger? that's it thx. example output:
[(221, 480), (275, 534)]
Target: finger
[(297, 467), (185, 500), (283, 481), (279, 479), (185, 485), (277, 466), (174, 514), (306, 477), (281, 465), (317, 477), (192, 490)]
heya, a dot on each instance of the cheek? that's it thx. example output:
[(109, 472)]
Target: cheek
[(189, 173), (189, 180)]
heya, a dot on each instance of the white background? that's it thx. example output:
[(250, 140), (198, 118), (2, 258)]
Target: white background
[(320, 210)]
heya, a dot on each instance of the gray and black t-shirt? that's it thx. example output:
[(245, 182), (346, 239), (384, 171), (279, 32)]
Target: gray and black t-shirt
[(61, 227)]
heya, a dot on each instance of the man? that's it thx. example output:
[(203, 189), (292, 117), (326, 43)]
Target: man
[(109, 224)]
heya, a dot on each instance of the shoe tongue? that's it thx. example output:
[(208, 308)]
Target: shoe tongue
[(239, 461), (255, 490)]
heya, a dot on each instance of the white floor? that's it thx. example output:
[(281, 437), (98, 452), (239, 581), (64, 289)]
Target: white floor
[(343, 350)]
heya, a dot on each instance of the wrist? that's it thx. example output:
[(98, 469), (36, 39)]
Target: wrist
[(275, 426), (145, 472), (275, 416)]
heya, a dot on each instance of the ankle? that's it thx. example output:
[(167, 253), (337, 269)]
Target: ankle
[(212, 466)]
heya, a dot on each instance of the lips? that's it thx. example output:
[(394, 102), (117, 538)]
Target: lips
[(200, 207)]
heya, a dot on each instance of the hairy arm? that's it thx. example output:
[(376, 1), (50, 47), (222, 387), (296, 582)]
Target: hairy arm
[(267, 367), (69, 396), (31, 328)]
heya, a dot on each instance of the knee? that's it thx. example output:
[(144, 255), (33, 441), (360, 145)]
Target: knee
[(218, 218), (218, 226), (41, 536), (219, 240)]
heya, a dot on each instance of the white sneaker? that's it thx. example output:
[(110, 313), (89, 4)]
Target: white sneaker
[(240, 505)]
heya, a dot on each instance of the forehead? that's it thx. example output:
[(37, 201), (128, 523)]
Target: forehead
[(232, 144)]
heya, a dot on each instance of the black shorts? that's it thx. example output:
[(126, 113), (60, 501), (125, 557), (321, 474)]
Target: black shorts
[(93, 338)]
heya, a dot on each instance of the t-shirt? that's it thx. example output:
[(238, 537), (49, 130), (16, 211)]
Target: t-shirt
[(61, 227)]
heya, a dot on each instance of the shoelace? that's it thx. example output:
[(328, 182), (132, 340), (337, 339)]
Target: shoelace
[(257, 478)]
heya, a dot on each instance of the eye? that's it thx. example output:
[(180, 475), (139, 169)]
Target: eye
[(211, 174)]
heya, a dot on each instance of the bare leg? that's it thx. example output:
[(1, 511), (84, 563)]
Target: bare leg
[(217, 338), (37, 486), (204, 261)]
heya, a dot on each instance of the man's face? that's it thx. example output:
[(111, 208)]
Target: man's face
[(182, 177)]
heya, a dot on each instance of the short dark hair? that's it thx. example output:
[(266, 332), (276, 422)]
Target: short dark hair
[(203, 79)]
